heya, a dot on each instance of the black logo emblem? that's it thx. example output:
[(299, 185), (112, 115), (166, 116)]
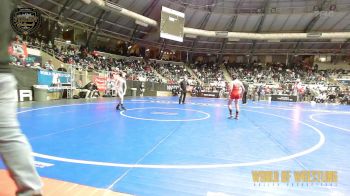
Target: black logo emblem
[(25, 20)]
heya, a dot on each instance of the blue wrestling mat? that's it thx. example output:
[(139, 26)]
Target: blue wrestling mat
[(160, 148)]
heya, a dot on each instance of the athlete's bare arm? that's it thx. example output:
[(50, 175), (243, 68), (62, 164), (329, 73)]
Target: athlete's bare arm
[(242, 86), (124, 84)]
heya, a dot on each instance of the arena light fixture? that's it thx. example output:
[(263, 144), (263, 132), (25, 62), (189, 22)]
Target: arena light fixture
[(114, 6), (233, 39), (86, 1), (190, 36), (269, 36), (61, 23), (314, 35), (99, 2), (141, 23), (338, 40), (221, 33), (273, 40)]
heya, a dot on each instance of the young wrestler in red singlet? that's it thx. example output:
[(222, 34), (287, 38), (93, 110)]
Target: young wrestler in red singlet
[(235, 94)]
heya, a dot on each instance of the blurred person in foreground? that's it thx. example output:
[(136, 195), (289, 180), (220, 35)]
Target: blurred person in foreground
[(15, 149)]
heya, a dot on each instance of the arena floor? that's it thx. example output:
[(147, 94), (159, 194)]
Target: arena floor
[(158, 147)]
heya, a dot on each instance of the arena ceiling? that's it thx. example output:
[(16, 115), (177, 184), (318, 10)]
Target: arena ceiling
[(258, 16)]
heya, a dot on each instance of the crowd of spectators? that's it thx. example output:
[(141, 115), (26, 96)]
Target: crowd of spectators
[(81, 59), (208, 72), (308, 83), (173, 72), (277, 78)]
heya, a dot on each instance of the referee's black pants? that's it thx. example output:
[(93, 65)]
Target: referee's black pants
[(182, 97), (244, 98)]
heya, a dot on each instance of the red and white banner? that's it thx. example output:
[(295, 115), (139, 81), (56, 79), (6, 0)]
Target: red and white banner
[(101, 82), (18, 49)]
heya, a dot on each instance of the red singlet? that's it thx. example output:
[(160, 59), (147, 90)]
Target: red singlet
[(236, 90)]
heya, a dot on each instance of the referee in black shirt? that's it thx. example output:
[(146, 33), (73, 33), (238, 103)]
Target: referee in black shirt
[(183, 89), (246, 87)]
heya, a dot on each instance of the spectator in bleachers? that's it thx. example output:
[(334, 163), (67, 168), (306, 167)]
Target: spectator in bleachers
[(62, 68), (91, 90), (142, 89), (48, 65)]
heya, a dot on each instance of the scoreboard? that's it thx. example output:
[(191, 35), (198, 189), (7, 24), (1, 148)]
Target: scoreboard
[(172, 24)]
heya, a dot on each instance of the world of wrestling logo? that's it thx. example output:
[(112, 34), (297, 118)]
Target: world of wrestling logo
[(25, 20)]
